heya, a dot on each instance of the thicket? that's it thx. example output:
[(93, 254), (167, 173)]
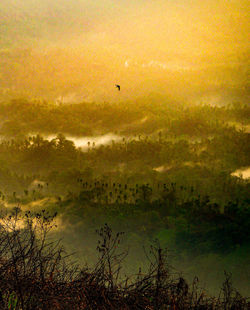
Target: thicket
[(168, 176), (36, 273)]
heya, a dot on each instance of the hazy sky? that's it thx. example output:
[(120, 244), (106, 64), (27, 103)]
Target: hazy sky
[(124, 38)]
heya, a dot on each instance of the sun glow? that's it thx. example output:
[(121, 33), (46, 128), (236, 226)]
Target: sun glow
[(84, 48)]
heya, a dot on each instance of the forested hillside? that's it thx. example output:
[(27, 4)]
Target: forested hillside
[(168, 172)]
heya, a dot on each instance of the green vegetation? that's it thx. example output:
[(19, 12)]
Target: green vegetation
[(166, 173), (36, 273)]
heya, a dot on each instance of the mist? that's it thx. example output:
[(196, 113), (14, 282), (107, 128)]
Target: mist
[(164, 158), (77, 50)]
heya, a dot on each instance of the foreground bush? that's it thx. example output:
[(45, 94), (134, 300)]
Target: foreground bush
[(36, 273)]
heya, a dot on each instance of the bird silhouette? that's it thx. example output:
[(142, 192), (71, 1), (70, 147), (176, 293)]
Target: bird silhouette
[(118, 87)]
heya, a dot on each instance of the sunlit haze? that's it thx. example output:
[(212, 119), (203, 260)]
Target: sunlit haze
[(76, 50), (125, 140)]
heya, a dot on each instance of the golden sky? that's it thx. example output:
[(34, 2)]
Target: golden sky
[(85, 46)]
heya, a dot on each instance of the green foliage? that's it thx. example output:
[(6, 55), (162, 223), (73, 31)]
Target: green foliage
[(12, 303), (168, 174)]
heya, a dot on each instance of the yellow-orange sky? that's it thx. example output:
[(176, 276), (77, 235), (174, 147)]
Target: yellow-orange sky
[(78, 49)]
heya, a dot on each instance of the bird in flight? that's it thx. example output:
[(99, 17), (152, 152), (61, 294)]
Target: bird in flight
[(118, 86)]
